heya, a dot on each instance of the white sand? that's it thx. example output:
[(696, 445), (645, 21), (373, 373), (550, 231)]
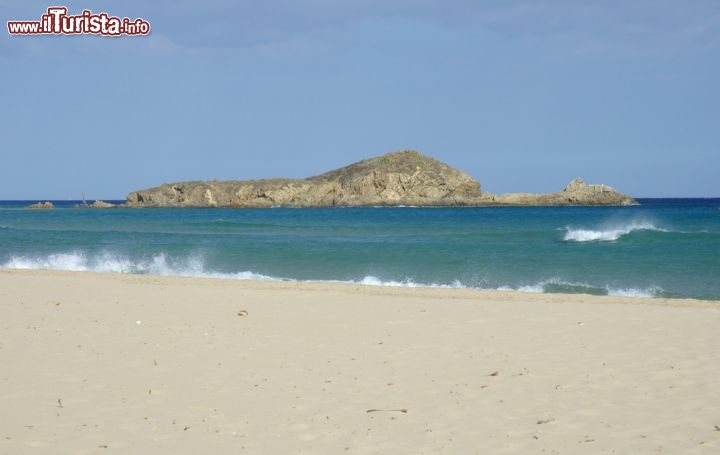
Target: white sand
[(96, 363)]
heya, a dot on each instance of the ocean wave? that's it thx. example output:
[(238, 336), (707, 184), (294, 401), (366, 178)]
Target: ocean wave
[(407, 283), (195, 266), (190, 267), (559, 286), (609, 234), (108, 262), (653, 291)]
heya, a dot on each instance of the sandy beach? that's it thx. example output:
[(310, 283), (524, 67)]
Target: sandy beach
[(102, 363)]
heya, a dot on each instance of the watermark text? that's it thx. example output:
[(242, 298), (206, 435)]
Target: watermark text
[(57, 22)]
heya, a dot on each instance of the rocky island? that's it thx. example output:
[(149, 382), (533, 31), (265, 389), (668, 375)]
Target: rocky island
[(400, 178), (41, 205)]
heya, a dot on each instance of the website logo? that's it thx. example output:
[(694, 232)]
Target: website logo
[(57, 22)]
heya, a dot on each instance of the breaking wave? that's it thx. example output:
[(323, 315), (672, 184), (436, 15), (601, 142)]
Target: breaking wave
[(107, 262), (407, 283), (161, 265), (194, 266), (559, 286), (609, 234)]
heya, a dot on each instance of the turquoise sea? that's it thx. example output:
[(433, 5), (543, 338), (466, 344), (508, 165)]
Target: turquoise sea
[(662, 248)]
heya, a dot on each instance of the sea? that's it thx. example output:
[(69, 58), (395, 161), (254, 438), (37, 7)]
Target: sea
[(666, 248)]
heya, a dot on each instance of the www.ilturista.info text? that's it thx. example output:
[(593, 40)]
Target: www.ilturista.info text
[(57, 22)]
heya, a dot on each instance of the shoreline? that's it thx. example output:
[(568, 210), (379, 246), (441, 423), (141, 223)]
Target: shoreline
[(419, 290)]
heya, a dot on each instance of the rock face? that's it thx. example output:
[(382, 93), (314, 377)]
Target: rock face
[(42, 205), (399, 178), (576, 193), (98, 204), (101, 205)]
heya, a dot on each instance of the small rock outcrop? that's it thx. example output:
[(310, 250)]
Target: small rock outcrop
[(581, 193), (101, 205), (400, 178), (576, 192), (42, 205), (98, 204)]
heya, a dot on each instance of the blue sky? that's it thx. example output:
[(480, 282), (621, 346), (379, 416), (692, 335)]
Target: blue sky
[(523, 95)]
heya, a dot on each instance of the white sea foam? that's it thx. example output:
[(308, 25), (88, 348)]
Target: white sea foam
[(540, 287), (608, 234), (159, 264), (374, 281), (62, 261), (557, 285), (653, 291), (408, 283), (106, 262), (194, 266)]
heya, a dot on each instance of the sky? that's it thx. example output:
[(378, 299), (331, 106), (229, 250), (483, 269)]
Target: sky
[(523, 95)]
